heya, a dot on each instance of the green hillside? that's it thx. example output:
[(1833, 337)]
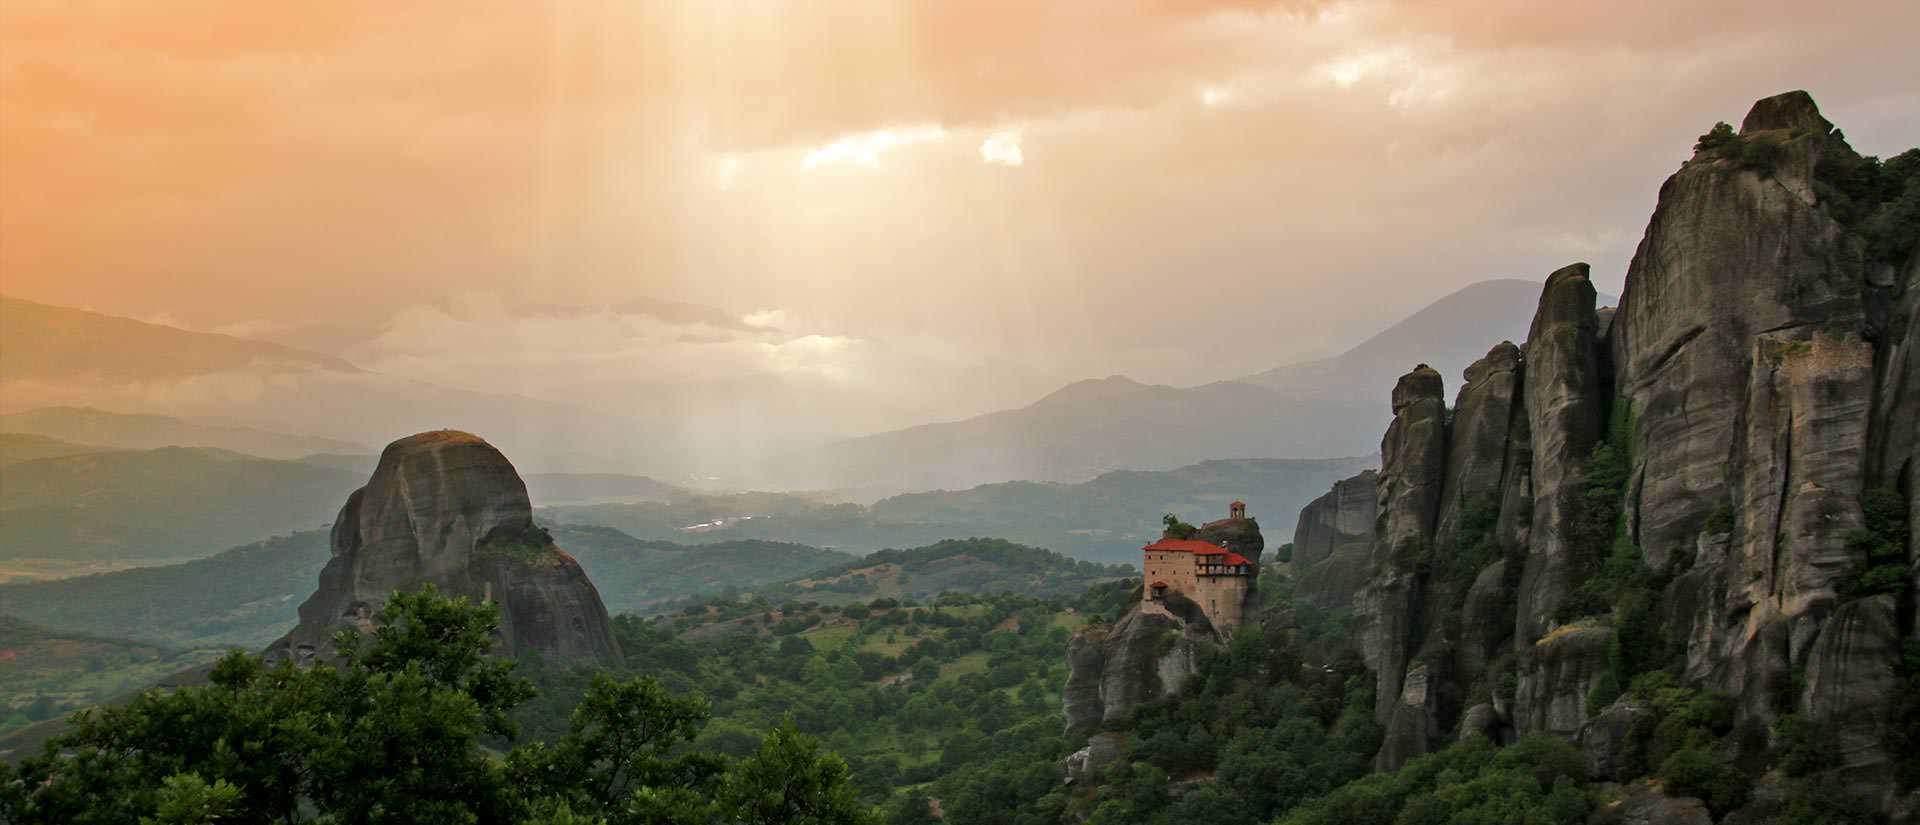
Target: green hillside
[(18, 447), (635, 576), (958, 566), (45, 673), (245, 596), (170, 503)]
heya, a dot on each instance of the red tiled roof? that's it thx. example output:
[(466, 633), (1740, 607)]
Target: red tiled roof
[(1155, 584), (1184, 546), (1236, 558)]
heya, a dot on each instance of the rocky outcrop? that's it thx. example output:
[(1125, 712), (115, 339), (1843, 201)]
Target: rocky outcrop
[(1566, 405), (1149, 653), (1343, 516), (1851, 668), (1757, 380), (1480, 444), (1331, 584), (1644, 803), (1603, 737), (446, 508), (1557, 673), (1241, 535), (1413, 458)]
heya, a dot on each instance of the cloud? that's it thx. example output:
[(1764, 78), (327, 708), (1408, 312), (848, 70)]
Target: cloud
[(864, 149), (1002, 148), (246, 164)]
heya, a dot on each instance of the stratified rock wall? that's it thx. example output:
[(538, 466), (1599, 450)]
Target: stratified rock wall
[(1761, 377), (448, 509)]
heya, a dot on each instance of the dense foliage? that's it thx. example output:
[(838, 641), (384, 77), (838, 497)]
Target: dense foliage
[(959, 698), (394, 733), (951, 566), (1257, 731), (1536, 780)]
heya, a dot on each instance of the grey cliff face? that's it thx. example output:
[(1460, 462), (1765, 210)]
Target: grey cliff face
[(1413, 458), (1761, 375), (1566, 403), (447, 508), (1344, 515)]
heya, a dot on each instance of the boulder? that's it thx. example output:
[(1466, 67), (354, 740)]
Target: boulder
[(1484, 720), (1603, 738), (1087, 765), (446, 508)]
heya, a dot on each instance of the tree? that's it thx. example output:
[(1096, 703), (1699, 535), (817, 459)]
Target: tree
[(390, 731), (790, 781)]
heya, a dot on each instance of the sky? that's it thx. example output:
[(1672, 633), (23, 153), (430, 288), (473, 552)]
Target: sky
[(862, 214)]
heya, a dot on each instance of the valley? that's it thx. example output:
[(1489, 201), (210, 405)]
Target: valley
[(1533, 554)]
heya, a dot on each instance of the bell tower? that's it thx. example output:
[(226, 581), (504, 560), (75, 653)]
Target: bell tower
[(1238, 509)]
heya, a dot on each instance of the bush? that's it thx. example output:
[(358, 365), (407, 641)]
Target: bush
[(1879, 546), (1695, 772), (1720, 137), (1806, 747)]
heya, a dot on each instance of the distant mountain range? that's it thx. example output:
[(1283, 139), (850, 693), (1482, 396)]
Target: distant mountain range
[(58, 361), (170, 503), (49, 343), (1448, 335), (99, 428), (1106, 519), (1316, 409)]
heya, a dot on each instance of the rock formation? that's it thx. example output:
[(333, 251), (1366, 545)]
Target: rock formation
[(1149, 653), (447, 508), (1342, 517), (1722, 429)]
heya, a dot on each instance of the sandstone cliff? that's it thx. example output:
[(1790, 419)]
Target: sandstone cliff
[(1681, 485), (447, 508)]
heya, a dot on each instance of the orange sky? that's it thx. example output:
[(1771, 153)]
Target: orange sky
[(941, 207)]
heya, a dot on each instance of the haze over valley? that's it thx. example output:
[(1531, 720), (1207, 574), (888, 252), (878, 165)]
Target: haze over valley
[(896, 412)]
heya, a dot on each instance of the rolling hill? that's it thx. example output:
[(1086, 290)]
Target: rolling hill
[(170, 503), (100, 428), (19, 447), (249, 595), (1106, 519)]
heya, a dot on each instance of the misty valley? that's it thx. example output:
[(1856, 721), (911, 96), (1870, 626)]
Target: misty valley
[(419, 465)]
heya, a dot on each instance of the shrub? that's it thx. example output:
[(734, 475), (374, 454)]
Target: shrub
[(1695, 772), (1879, 546), (1720, 137), (1806, 747)]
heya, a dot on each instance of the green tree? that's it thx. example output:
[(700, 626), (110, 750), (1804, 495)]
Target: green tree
[(790, 781)]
